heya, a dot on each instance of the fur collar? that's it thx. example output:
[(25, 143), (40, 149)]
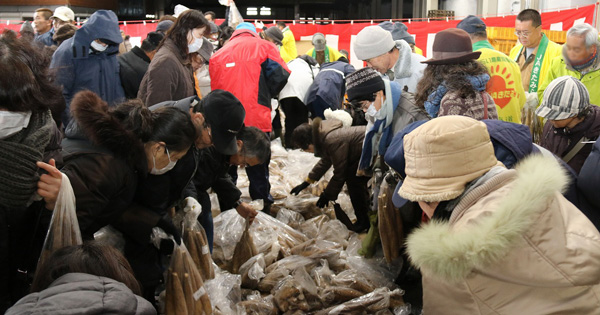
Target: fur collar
[(104, 129), (437, 249)]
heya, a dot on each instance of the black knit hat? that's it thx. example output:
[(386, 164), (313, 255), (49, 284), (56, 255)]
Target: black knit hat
[(275, 34), (363, 82)]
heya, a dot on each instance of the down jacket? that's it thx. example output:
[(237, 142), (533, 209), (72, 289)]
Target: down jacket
[(513, 245), (134, 65), (80, 69), (81, 293), (338, 146), (252, 70)]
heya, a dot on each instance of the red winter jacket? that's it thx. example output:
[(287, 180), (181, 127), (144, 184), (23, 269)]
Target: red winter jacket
[(252, 70)]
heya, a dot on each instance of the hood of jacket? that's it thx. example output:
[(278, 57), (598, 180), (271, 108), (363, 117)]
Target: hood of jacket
[(104, 25), (80, 293), (94, 122), (442, 252), (322, 128)]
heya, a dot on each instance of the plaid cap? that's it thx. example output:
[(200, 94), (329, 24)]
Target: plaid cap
[(565, 97)]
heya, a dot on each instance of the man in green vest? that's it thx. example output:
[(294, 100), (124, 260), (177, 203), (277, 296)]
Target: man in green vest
[(534, 52), (504, 85), (579, 59), (322, 52)]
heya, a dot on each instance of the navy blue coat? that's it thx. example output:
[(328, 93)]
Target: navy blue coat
[(329, 86), (78, 68)]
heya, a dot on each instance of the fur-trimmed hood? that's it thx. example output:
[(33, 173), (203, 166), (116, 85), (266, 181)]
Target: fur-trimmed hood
[(95, 121), (443, 251)]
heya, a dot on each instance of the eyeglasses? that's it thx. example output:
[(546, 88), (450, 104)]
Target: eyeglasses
[(524, 34)]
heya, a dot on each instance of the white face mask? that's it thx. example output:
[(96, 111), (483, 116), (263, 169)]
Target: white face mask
[(215, 43), (371, 111), (196, 45), (165, 169), (98, 47), (13, 122)]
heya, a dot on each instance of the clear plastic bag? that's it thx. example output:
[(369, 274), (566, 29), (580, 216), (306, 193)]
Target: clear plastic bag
[(244, 250), (312, 227), (108, 235), (64, 226), (292, 218), (194, 236), (253, 271), (289, 296), (281, 269), (185, 291), (334, 231), (378, 300), (257, 305), (224, 291), (322, 275), (354, 280)]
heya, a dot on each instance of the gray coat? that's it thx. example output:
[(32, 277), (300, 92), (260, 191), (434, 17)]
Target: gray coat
[(80, 293)]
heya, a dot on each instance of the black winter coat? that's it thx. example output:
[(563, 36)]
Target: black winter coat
[(103, 167), (134, 65), (212, 173)]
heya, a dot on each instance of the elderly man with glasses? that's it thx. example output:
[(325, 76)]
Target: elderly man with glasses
[(534, 52)]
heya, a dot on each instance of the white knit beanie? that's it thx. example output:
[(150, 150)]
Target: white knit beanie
[(372, 41)]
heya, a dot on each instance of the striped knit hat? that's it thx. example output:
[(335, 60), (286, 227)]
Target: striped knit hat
[(365, 81), (565, 97)]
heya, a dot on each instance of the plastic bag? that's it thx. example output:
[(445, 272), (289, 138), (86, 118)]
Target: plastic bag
[(267, 230), (224, 291), (64, 226), (353, 279), (281, 269), (289, 296), (377, 271), (322, 275), (194, 237), (253, 271), (185, 293), (110, 236), (380, 299), (244, 250), (228, 229), (235, 17), (334, 231), (312, 227), (257, 305), (292, 218)]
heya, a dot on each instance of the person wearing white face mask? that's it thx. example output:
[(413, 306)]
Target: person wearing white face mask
[(88, 61), (170, 74), (107, 150), (387, 110)]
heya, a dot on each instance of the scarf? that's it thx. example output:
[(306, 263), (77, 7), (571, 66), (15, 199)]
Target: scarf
[(380, 133), (325, 53), (18, 156), (432, 105), (584, 65)]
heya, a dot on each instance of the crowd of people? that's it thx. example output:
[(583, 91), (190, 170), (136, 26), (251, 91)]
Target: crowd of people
[(499, 215)]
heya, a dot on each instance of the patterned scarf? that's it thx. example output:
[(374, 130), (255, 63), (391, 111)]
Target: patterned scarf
[(432, 105)]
